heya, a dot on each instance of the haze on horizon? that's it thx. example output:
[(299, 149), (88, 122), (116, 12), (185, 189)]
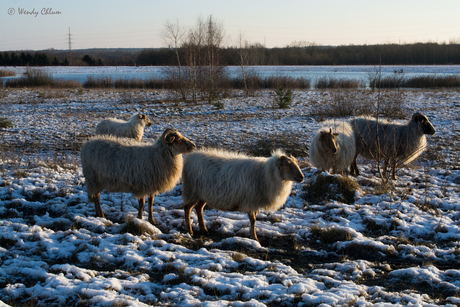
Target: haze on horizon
[(39, 25)]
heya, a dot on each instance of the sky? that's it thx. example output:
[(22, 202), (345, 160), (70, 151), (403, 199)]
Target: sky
[(139, 23)]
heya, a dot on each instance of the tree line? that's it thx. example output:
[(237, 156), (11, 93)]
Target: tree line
[(256, 54)]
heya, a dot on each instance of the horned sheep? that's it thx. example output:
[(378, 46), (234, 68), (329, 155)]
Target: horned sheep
[(231, 181), (333, 147), (392, 142), (125, 165), (133, 128)]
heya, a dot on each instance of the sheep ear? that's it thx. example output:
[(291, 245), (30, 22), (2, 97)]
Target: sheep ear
[(168, 139), (418, 118), (281, 160)]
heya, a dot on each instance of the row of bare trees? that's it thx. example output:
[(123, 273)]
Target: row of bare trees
[(197, 73)]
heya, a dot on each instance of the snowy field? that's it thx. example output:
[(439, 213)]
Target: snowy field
[(357, 72), (394, 245)]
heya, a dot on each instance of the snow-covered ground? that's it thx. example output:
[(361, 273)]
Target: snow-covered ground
[(395, 245)]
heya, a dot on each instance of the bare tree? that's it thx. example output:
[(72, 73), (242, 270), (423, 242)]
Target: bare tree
[(213, 42), (173, 35), (193, 50), (243, 55)]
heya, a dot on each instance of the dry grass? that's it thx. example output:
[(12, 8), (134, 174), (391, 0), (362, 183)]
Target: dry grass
[(331, 235), (331, 83), (5, 123), (35, 77), (7, 73), (344, 103), (424, 81), (323, 188), (289, 142), (134, 228)]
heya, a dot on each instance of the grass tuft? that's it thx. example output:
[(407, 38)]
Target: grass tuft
[(323, 188), (331, 235), (5, 123), (134, 228)]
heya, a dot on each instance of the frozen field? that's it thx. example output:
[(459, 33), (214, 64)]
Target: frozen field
[(361, 72), (394, 245)]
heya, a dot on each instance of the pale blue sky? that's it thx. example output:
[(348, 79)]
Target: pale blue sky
[(138, 23)]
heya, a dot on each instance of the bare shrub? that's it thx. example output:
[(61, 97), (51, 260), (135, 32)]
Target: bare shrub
[(344, 103), (33, 77)]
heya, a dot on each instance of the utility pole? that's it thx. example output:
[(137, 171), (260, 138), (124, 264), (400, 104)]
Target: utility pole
[(70, 47), (70, 40)]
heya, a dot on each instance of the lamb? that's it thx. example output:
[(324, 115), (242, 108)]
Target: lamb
[(133, 128), (333, 147), (398, 143), (232, 181), (125, 165)]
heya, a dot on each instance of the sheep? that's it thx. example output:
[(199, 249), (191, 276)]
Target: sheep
[(133, 128), (333, 146), (231, 181), (398, 143), (125, 165)]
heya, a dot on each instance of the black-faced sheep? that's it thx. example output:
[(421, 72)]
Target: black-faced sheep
[(333, 147), (125, 165), (133, 128), (231, 181), (398, 143)]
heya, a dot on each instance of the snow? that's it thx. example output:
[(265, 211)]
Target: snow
[(403, 246)]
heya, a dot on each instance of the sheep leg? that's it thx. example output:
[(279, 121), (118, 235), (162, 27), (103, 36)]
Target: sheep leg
[(354, 167), (187, 209), (141, 201), (150, 203), (199, 211), (97, 204), (252, 219)]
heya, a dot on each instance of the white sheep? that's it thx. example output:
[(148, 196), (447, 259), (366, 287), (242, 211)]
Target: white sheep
[(125, 165), (333, 147), (398, 143), (231, 181), (133, 128)]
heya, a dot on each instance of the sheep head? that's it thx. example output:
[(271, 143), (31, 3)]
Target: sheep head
[(423, 124), (289, 169), (327, 141), (144, 118), (179, 143)]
